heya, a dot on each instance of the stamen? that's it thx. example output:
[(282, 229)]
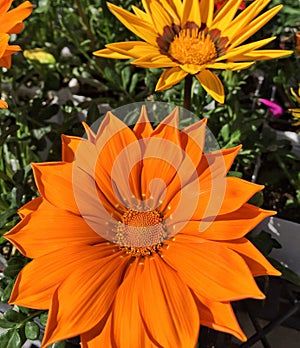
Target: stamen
[(141, 233)]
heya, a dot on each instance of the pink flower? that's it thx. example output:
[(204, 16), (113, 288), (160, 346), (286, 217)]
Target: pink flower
[(274, 108)]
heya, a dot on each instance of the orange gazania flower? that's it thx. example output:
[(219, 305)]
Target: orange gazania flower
[(11, 22), (138, 238), (189, 37)]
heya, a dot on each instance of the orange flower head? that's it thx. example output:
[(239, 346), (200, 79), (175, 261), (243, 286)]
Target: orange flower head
[(138, 237), (190, 37), (11, 22)]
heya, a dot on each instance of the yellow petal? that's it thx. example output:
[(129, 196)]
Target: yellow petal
[(264, 54), (230, 66), (138, 26), (225, 14), (207, 11), (133, 49), (236, 27), (155, 60), (191, 13), (160, 17), (108, 53), (212, 85), (169, 78), (241, 50), (254, 26)]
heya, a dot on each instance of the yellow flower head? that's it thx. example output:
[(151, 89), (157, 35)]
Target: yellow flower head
[(137, 238), (189, 37)]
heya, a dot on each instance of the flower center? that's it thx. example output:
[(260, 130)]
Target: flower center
[(191, 46), (141, 233)]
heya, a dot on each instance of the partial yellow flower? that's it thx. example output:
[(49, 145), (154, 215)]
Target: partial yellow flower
[(296, 111), (139, 237), (189, 37)]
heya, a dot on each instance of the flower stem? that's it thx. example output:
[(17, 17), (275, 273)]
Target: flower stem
[(187, 98)]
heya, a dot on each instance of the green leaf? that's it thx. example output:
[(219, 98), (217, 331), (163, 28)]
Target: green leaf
[(133, 83), (43, 318), (286, 273), (225, 132), (32, 330), (10, 339), (14, 316), (14, 266), (7, 291), (5, 324), (265, 242)]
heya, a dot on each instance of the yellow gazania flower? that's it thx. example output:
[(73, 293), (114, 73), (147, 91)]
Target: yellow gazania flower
[(138, 238), (188, 37)]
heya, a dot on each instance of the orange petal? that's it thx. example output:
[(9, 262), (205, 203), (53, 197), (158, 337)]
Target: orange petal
[(90, 134), (225, 196), (99, 336), (10, 19), (257, 263), (143, 127), (3, 43), (54, 182), (229, 226), (219, 316), (30, 291), (167, 306), (211, 270), (96, 283), (199, 195), (126, 315), (5, 5), (191, 141), (161, 160), (117, 170), (60, 229), (3, 104), (169, 78), (29, 207), (69, 147), (212, 85)]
